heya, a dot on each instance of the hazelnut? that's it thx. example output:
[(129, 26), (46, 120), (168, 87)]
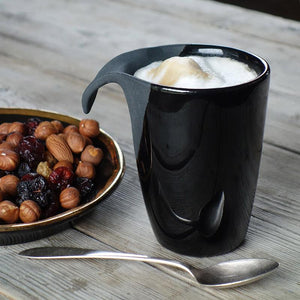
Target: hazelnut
[(8, 185), (63, 163), (58, 125), (89, 128), (85, 169), (70, 128), (44, 129), (29, 211), (9, 160), (14, 138), (4, 128), (76, 142), (92, 154), (7, 146), (17, 127), (44, 169), (69, 198), (9, 212)]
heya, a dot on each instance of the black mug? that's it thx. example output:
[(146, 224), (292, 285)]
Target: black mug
[(198, 150)]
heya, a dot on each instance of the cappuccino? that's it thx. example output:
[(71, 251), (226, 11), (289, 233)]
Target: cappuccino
[(197, 72)]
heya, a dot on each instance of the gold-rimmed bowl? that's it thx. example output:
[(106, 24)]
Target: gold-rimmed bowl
[(109, 175)]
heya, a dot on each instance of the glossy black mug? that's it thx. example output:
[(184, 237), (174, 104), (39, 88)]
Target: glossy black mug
[(198, 150)]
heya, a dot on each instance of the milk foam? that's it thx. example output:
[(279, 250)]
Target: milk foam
[(197, 72)]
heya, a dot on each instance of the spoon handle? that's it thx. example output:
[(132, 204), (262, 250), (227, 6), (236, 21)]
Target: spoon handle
[(137, 257), (69, 253)]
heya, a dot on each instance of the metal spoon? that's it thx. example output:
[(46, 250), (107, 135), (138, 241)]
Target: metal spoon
[(223, 275)]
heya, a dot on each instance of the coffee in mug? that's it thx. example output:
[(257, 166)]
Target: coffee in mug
[(197, 72)]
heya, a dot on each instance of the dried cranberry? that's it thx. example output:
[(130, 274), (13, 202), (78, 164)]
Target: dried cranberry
[(84, 185), (31, 151), (29, 176), (31, 124), (61, 178)]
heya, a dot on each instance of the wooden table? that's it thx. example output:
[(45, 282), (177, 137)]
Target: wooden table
[(49, 52)]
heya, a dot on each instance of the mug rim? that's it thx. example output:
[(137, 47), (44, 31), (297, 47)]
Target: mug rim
[(180, 90)]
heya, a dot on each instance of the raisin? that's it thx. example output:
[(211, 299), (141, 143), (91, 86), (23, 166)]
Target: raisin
[(31, 124), (32, 151), (34, 187), (84, 185), (44, 169), (52, 209), (23, 169), (23, 192), (38, 184), (45, 198)]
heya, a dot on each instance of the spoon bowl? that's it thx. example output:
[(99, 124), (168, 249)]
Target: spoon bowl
[(235, 272), (223, 275)]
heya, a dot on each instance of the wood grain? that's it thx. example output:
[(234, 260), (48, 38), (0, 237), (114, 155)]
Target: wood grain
[(49, 52)]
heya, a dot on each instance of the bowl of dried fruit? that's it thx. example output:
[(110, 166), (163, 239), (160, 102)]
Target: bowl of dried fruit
[(53, 170)]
